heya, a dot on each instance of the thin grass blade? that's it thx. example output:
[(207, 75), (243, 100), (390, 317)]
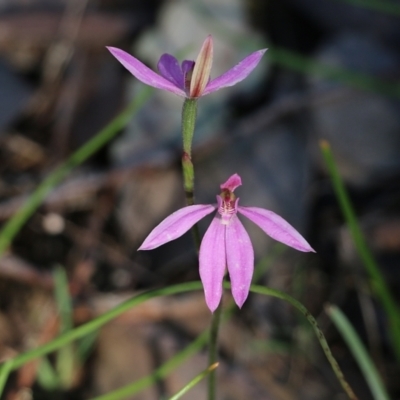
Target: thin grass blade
[(12, 227), (359, 352), (5, 370), (377, 280), (159, 373), (194, 382), (320, 336), (98, 322)]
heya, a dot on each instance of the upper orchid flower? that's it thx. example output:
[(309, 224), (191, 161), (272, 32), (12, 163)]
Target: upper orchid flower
[(226, 242), (192, 78)]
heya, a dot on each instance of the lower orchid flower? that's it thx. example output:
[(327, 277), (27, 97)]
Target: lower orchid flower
[(226, 242)]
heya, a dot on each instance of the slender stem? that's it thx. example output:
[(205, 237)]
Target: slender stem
[(188, 178), (189, 113), (213, 351)]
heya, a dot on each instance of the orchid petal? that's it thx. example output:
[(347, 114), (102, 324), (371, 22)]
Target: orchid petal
[(176, 225), (232, 183), (276, 227), (240, 259), (143, 73), (187, 66), (235, 74), (202, 69), (212, 262), (169, 68)]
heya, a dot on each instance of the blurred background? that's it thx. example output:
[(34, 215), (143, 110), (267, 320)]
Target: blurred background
[(332, 72)]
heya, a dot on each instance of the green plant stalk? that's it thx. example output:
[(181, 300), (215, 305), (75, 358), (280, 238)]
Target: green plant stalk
[(159, 373), (213, 351), (194, 382), (13, 226), (189, 113), (366, 365), (321, 337), (377, 281)]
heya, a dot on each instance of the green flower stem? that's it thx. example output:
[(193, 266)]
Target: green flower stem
[(12, 227), (189, 113), (188, 178), (377, 280), (213, 351)]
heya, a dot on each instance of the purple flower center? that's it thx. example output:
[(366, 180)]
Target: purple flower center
[(179, 75)]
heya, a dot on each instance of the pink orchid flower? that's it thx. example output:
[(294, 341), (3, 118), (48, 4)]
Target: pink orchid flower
[(192, 78), (226, 242)]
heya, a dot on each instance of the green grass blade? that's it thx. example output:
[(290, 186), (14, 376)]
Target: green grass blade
[(66, 356), (12, 227), (307, 65), (135, 387), (359, 352), (320, 336), (159, 373), (5, 370), (377, 281), (384, 6), (94, 325), (85, 346), (63, 298), (194, 382), (98, 322), (47, 376)]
